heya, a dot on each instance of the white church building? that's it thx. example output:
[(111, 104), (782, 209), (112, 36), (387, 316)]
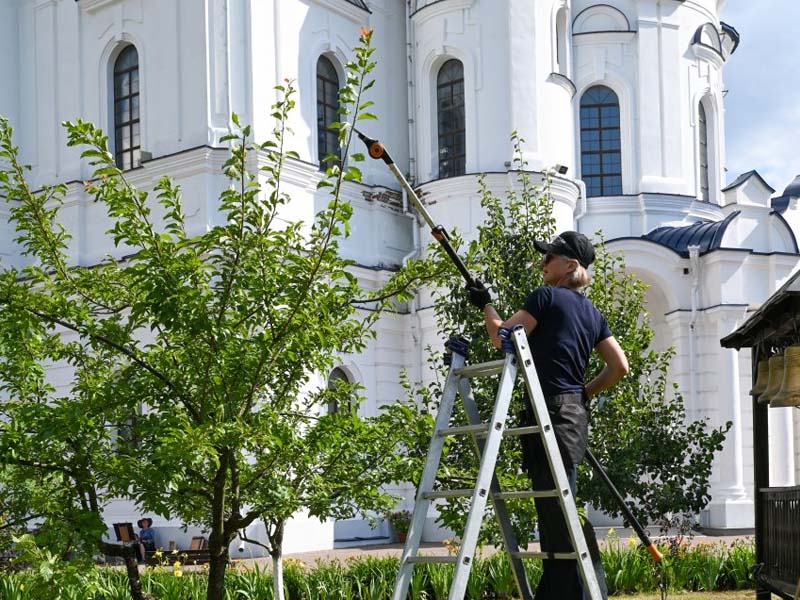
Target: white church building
[(627, 94)]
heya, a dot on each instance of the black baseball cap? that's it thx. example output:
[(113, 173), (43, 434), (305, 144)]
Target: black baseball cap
[(569, 244)]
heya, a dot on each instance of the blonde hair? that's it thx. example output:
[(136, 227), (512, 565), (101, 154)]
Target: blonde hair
[(579, 278)]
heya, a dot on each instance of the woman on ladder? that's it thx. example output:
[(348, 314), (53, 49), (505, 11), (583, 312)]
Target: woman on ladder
[(563, 327)]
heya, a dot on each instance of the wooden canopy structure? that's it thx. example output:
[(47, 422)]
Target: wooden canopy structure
[(775, 325)]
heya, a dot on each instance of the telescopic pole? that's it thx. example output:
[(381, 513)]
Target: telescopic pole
[(378, 151)]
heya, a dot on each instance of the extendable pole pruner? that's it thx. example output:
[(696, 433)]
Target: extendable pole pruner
[(637, 527), (378, 151)]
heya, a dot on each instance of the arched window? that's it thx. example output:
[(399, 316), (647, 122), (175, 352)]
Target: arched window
[(338, 376), (601, 148), (327, 110), (450, 118), (127, 139), (703, 135)]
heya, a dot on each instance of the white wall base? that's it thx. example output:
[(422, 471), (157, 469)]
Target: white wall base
[(729, 514)]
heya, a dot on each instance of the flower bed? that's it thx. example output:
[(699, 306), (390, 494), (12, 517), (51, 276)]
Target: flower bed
[(703, 567)]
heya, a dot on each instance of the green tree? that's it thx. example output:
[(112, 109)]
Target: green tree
[(638, 429), (211, 341)]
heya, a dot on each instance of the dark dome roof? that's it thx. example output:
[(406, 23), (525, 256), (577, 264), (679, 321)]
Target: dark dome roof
[(706, 234), (793, 189)]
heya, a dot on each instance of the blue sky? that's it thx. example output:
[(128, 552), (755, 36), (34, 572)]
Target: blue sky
[(762, 107)]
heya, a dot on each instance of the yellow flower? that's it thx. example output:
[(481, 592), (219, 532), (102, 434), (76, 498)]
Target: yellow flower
[(175, 551), (21, 587), (157, 554), (631, 541), (178, 573), (176, 564), (611, 533)]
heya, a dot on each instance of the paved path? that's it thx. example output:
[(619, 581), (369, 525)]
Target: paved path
[(342, 554)]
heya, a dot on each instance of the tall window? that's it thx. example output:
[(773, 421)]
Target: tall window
[(450, 112), (703, 134), (601, 149), (127, 140), (336, 378), (327, 110)]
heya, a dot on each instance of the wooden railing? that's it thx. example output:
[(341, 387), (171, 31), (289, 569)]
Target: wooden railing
[(781, 535)]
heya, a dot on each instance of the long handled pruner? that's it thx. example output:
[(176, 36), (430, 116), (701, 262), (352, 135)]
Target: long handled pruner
[(378, 151)]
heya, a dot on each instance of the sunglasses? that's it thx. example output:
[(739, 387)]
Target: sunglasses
[(550, 256)]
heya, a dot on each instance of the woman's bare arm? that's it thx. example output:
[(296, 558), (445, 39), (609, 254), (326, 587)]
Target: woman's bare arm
[(615, 369)]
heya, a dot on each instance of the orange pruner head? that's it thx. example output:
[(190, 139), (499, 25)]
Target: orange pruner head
[(376, 149)]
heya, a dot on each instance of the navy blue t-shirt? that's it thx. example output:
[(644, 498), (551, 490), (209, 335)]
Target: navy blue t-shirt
[(568, 328)]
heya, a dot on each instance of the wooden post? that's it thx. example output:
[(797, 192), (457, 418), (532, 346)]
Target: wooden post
[(761, 468)]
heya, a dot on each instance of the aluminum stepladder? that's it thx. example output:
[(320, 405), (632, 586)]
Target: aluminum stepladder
[(487, 437)]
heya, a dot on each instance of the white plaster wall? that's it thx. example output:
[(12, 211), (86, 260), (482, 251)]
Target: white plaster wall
[(9, 60), (475, 34), (306, 29), (66, 51)]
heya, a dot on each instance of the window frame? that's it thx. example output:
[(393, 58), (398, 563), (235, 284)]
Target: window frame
[(133, 151), (601, 152), (703, 154), (454, 165), (323, 131), (339, 374)]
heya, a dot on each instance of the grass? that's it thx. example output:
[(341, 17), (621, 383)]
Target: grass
[(740, 595)]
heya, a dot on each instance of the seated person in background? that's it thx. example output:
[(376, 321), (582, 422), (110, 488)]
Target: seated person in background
[(147, 537)]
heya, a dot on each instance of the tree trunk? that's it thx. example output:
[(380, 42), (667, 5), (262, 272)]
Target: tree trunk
[(128, 554), (277, 574), (276, 542), (216, 571)]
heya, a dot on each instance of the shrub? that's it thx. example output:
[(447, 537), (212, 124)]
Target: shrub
[(703, 567)]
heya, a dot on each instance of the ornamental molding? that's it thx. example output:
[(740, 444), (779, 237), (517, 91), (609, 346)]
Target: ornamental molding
[(344, 8), (708, 54), (92, 6), (439, 7), (563, 82), (603, 37)]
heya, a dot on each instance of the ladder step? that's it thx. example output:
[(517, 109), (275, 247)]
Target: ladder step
[(433, 559), (512, 431), (465, 493), (550, 555), (521, 495), (481, 369), (482, 429), (479, 428)]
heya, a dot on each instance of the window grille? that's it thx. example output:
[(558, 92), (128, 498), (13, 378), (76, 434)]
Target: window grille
[(601, 146), (703, 134), (327, 111), (451, 119), (127, 138)]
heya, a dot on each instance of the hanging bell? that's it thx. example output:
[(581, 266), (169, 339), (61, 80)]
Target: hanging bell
[(762, 378), (789, 394), (775, 379)]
